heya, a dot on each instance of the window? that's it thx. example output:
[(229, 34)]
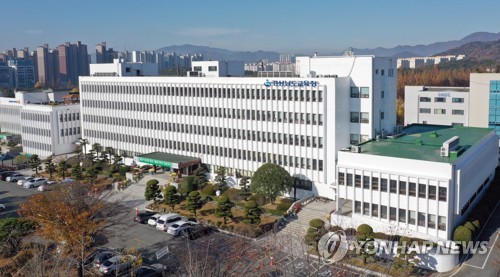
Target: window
[(365, 92), (442, 223), (439, 111), (413, 189), (382, 94), (382, 72), (383, 185), (366, 182), (366, 208), (355, 117), (425, 110), (442, 194), (393, 186), (431, 221), (354, 139), (357, 207), (383, 212), (402, 215), (457, 100), (457, 112), (425, 99), (440, 99), (349, 179), (432, 192), (374, 210), (341, 178), (382, 115), (357, 181), (196, 68), (402, 187), (365, 118), (412, 217), (421, 219), (421, 190), (374, 183), (354, 92), (212, 68), (392, 213)]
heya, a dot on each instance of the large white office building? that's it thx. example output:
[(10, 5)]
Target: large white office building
[(421, 183), (437, 105), (241, 123), (45, 129)]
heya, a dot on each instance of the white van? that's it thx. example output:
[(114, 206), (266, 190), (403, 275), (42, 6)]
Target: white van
[(167, 220)]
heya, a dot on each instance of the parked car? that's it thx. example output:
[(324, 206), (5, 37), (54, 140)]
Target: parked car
[(26, 179), (2, 207), (117, 264), (143, 216), (47, 185), (154, 270), (66, 181), (196, 231), (153, 219), (102, 257), (14, 177), (35, 183), (6, 174), (90, 257), (179, 226), (168, 220)]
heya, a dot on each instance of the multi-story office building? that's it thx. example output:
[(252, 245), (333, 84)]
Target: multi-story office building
[(437, 105), (23, 73), (45, 129), (241, 123), (423, 183), (5, 76), (485, 100)]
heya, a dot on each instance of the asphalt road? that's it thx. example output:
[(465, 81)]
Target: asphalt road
[(12, 195)]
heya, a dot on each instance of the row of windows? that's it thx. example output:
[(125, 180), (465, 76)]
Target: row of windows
[(254, 156), (298, 140), (393, 186), (35, 117), (357, 117), (70, 131), (400, 215), (360, 92), (6, 110), (69, 117), (441, 99), (272, 116), (37, 145), (36, 131), (208, 92), (441, 111)]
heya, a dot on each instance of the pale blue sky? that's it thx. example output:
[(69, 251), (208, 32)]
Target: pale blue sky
[(296, 26)]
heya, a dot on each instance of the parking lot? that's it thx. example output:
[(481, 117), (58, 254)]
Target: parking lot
[(12, 195)]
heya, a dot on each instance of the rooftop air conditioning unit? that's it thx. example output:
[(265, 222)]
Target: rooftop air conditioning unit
[(356, 149)]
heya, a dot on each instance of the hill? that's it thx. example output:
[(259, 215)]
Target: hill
[(210, 53), (478, 51)]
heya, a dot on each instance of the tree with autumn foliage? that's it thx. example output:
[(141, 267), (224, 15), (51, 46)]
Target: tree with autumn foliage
[(70, 216)]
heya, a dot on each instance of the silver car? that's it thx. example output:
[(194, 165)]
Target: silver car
[(117, 264), (35, 183), (26, 179), (14, 177)]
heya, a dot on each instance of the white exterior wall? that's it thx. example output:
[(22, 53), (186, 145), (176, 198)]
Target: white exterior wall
[(413, 104), (10, 114), (44, 134), (223, 68), (119, 68), (480, 97), (462, 179)]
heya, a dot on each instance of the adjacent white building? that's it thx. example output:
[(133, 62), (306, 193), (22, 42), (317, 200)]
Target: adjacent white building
[(414, 62), (217, 69), (416, 184), (120, 67), (437, 105), (241, 123)]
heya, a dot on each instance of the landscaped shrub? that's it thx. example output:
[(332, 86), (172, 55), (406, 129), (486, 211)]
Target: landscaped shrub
[(462, 233), (315, 232), (284, 204), (335, 228), (476, 224), (259, 199), (364, 232), (208, 190), (188, 185), (317, 223), (470, 226), (252, 213), (123, 169)]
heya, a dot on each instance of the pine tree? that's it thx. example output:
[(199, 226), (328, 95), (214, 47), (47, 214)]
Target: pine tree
[(77, 172), (224, 206), (34, 163), (170, 196), (220, 178), (200, 176), (194, 202), (252, 212), (152, 190), (50, 166)]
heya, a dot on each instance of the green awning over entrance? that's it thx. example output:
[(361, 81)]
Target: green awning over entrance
[(4, 135), (168, 160)]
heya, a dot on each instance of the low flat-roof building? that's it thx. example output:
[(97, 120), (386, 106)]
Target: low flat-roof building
[(423, 181)]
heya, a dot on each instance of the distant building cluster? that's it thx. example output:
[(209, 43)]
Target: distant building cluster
[(414, 62), (285, 67)]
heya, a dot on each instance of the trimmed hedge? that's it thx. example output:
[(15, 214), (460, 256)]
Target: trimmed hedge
[(209, 190), (470, 226), (364, 229), (317, 223), (462, 233)]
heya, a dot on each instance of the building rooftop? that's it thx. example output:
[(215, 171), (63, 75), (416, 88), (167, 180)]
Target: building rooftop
[(423, 142)]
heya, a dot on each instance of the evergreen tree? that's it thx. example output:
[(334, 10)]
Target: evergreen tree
[(244, 183), (77, 172), (50, 166), (91, 174), (34, 162), (62, 168), (271, 180), (224, 206), (200, 176), (220, 178), (152, 190), (188, 185), (252, 212), (170, 196), (194, 202)]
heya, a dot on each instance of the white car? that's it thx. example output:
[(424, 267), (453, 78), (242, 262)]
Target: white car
[(152, 220), (179, 226), (26, 179), (46, 186), (117, 264), (168, 220), (35, 183), (2, 207), (14, 177)]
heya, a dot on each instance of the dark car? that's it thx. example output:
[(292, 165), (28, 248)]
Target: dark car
[(90, 257), (196, 231), (4, 175), (155, 270), (102, 257), (143, 216)]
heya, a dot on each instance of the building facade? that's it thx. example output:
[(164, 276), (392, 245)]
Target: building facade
[(121, 68), (436, 105), (241, 123), (408, 186), (23, 72), (485, 103), (216, 69)]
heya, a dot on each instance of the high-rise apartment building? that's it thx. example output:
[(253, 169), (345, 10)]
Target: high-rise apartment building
[(73, 62), (23, 73), (103, 54)]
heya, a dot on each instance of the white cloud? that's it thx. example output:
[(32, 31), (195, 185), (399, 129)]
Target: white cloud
[(35, 32), (209, 31)]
